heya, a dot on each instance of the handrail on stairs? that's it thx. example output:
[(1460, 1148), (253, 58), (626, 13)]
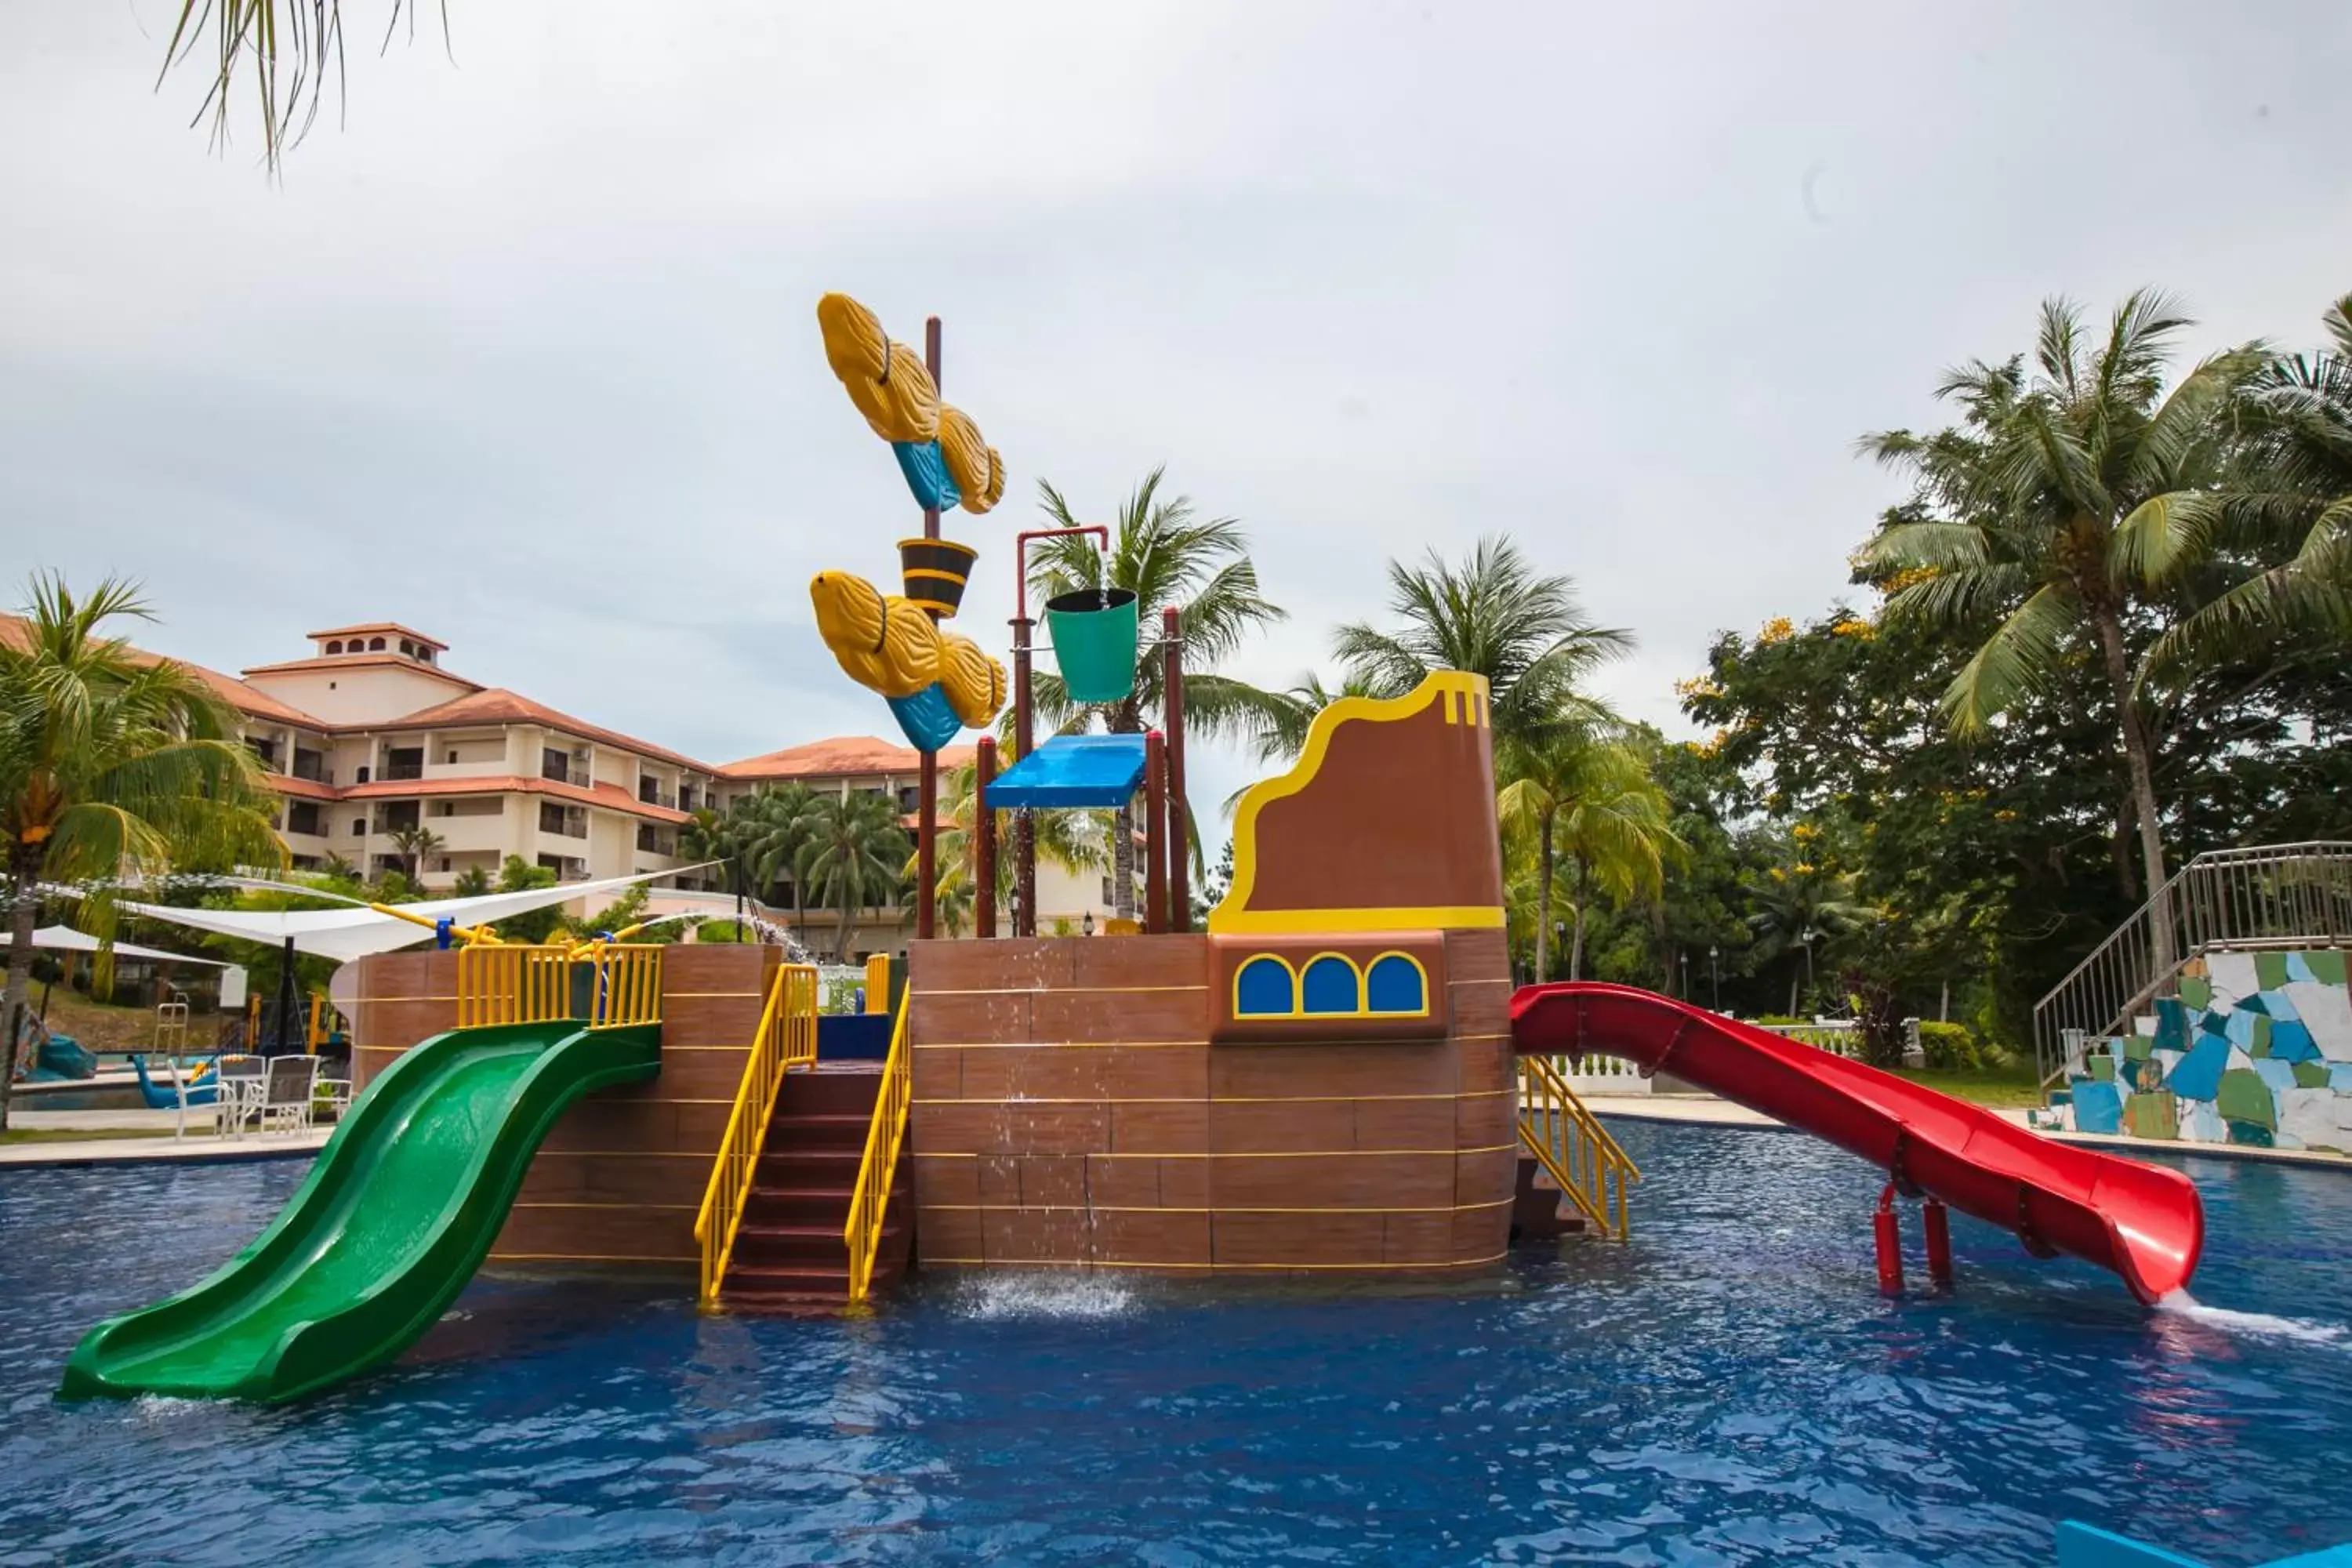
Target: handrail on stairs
[(2270, 895), (786, 1038), (870, 1205), (1559, 1129)]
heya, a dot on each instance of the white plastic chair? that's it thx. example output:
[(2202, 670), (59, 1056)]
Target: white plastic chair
[(285, 1100), (338, 1093), (243, 1080)]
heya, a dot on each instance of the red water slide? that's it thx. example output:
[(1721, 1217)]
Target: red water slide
[(2143, 1221)]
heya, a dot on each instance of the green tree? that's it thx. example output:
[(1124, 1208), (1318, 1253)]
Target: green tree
[(517, 875), (1168, 556), (851, 857), (1074, 841), (414, 843), (2279, 524), (1493, 616), (1797, 906), (2020, 510), (471, 883), (1586, 793), (112, 765)]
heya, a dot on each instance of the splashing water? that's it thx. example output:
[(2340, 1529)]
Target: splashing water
[(2261, 1325), (999, 1296)]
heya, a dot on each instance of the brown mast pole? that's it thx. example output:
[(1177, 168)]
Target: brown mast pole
[(984, 841), (1179, 866), (1155, 832), (926, 801)]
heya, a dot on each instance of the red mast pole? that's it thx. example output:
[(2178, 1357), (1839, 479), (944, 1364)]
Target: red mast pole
[(984, 841), (1155, 832)]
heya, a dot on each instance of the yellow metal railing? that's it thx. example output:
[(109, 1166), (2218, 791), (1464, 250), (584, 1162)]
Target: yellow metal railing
[(877, 982), (786, 1039), (512, 984), (627, 988), (1591, 1167), (871, 1203)]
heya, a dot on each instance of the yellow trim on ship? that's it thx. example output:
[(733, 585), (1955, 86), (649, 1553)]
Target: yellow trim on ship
[(1465, 701)]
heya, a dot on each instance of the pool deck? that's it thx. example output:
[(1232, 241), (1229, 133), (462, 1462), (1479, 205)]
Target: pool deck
[(1706, 1110), (199, 1147)]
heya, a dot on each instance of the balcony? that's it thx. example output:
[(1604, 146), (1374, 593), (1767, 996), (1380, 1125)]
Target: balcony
[(652, 795), (403, 770), (312, 766), (655, 842)]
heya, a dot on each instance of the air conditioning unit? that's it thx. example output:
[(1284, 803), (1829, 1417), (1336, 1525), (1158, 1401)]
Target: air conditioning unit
[(580, 755)]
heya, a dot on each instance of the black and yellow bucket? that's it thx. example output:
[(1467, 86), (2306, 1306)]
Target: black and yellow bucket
[(936, 571)]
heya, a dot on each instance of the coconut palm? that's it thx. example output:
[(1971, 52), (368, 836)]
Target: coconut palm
[(2027, 502), (1796, 906), (851, 857), (413, 844), (2285, 507), (1074, 841), (1586, 795), (112, 765), (1168, 556), (1283, 734), (773, 827), (1494, 615)]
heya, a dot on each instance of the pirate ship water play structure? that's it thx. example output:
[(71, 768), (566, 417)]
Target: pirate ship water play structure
[(1334, 1077)]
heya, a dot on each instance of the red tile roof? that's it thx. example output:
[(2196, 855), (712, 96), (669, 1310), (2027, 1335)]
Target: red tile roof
[(843, 756), (497, 705), (306, 789), (393, 627)]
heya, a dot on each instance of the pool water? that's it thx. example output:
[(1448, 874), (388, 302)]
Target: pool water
[(1725, 1389)]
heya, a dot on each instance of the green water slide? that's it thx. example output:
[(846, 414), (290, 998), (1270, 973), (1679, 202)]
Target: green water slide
[(394, 1217)]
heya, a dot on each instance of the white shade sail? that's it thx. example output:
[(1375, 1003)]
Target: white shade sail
[(65, 939), (346, 934)]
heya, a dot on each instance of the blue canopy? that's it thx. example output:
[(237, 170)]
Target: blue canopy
[(1072, 770)]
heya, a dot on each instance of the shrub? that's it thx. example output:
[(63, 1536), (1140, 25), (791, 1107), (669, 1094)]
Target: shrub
[(1950, 1048), (720, 931)]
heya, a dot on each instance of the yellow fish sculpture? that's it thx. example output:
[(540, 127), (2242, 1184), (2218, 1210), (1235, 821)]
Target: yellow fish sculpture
[(884, 643), (887, 381), (935, 681)]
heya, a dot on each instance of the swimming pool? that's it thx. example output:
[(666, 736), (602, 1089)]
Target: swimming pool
[(1725, 1389)]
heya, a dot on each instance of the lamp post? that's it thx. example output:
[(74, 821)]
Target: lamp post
[(1714, 977), (1559, 946), (1685, 959)]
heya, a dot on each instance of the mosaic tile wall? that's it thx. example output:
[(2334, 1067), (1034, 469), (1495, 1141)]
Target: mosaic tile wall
[(2256, 1049)]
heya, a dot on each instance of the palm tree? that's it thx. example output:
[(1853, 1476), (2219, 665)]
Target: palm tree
[(852, 857), (1797, 906), (773, 827), (112, 765), (414, 843), (1283, 734), (1493, 616), (1074, 841), (2028, 500), (1168, 556), (1587, 795), (2285, 506)]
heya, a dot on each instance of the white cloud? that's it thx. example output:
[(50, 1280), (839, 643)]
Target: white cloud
[(524, 353)]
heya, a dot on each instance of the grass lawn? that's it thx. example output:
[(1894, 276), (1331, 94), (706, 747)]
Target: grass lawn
[(77, 1134), (106, 1026), (2001, 1090)]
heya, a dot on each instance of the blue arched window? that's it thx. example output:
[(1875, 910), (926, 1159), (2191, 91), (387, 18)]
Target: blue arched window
[(1264, 987), (1331, 985), (1395, 984)]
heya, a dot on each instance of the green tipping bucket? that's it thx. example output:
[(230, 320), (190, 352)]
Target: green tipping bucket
[(1094, 635)]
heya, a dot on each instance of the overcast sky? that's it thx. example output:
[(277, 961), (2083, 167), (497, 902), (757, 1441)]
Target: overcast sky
[(524, 354)]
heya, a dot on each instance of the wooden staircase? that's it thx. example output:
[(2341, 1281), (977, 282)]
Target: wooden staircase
[(789, 1252)]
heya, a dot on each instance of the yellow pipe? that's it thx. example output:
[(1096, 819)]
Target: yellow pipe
[(471, 933)]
